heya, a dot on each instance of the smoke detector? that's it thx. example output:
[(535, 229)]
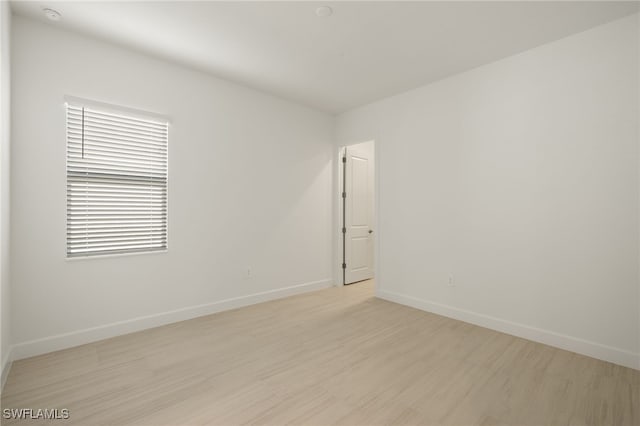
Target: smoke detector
[(324, 11), (53, 15)]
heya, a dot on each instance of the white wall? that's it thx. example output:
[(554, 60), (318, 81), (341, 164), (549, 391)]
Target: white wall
[(5, 133), (250, 186), (520, 178)]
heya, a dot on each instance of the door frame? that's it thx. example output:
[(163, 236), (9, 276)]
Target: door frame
[(338, 250)]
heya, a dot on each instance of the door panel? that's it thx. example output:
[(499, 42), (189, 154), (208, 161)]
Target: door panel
[(358, 216), (359, 250), (359, 189)]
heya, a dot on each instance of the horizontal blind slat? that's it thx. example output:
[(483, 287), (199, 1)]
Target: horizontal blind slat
[(88, 134), (114, 189), (120, 244), (96, 149), (115, 117), (75, 140), (91, 251), (109, 124), (117, 233), (89, 166), (90, 127), (103, 241), (108, 225), (113, 179)]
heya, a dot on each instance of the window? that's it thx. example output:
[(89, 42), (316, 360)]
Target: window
[(116, 181)]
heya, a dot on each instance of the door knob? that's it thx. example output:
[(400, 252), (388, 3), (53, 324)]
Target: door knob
[(371, 231)]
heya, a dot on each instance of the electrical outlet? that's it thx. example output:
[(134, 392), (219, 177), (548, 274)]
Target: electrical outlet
[(451, 282), (248, 273)]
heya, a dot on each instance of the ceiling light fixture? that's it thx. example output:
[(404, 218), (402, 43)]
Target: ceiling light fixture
[(324, 11), (53, 15)]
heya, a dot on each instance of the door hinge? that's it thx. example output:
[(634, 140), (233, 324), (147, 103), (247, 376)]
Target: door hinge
[(344, 159), (344, 266), (344, 230), (344, 195)]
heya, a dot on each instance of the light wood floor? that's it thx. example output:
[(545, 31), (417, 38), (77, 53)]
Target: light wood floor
[(336, 356)]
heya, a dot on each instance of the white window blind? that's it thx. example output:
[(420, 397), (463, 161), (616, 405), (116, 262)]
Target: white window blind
[(116, 182)]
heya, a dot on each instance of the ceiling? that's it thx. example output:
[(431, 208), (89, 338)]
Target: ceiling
[(363, 52)]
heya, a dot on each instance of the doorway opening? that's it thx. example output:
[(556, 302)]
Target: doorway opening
[(357, 211)]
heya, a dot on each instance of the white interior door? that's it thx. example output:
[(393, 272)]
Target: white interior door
[(358, 218)]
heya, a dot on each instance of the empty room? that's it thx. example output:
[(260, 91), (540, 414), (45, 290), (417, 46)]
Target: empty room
[(320, 213)]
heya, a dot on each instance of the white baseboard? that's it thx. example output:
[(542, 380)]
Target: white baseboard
[(5, 367), (569, 343), (80, 337)]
